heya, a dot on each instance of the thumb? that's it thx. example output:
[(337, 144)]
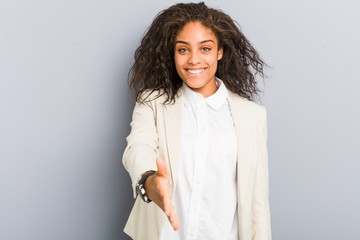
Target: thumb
[(162, 169)]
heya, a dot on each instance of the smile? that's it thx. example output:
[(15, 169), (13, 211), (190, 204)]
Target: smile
[(195, 71)]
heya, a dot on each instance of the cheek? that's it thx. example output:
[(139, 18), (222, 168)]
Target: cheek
[(177, 65), (212, 60), (179, 61)]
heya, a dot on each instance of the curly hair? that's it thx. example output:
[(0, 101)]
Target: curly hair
[(154, 66)]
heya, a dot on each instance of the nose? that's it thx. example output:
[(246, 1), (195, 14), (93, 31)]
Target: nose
[(194, 58)]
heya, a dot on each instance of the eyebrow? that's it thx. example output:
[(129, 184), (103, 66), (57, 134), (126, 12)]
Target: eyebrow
[(202, 42)]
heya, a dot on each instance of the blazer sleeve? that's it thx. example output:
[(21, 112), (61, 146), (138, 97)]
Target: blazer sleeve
[(142, 143), (261, 208)]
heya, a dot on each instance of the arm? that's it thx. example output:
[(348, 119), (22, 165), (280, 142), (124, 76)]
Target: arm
[(261, 208), (141, 155), (142, 143)]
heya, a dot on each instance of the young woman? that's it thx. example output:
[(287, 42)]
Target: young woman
[(197, 152)]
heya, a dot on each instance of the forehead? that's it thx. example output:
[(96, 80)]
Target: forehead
[(195, 30)]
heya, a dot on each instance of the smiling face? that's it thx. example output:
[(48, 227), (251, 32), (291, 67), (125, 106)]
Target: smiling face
[(196, 56)]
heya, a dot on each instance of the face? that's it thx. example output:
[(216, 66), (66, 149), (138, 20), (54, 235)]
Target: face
[(196, 56)]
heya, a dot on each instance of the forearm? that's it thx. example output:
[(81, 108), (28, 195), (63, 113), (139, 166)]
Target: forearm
[(137, 159)]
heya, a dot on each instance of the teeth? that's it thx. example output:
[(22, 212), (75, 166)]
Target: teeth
[(195, 71)]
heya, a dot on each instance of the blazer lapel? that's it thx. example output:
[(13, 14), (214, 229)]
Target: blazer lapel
[(246, 157), (172, 117)]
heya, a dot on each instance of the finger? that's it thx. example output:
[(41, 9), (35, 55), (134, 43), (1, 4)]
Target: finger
[(162, 169), (174, 220), (171, 214), (167, 204)]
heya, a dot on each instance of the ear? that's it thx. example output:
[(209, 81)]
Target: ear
[(220, 54)]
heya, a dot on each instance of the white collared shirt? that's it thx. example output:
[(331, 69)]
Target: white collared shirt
[(205, 197)]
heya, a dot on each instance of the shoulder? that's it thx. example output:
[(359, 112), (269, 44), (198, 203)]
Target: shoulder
[(150, 95), (157, 97), (243, 104)]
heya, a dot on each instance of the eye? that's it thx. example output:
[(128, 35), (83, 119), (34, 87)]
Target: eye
[(183, 50), (205, 49)]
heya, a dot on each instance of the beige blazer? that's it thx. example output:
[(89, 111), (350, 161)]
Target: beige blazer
[(155, 131)]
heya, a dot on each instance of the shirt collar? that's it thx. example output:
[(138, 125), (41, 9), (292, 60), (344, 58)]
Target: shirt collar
[(215, 101)]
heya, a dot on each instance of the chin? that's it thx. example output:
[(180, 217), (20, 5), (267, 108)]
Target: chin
[(195, 84)]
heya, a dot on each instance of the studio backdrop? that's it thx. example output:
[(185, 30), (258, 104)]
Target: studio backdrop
[(65, 110)]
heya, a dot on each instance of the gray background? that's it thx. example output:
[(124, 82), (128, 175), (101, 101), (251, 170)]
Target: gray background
[(65, 111)]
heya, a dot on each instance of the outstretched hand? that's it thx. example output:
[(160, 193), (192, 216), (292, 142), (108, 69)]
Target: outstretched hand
[(158, 190)]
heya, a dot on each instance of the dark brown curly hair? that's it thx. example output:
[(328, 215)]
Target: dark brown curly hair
[(154, 66)]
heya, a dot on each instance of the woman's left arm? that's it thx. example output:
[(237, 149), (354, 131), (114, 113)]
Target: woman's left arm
[(261, 207)]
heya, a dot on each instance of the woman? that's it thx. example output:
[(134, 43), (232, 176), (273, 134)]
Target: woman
[(197, 152)]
